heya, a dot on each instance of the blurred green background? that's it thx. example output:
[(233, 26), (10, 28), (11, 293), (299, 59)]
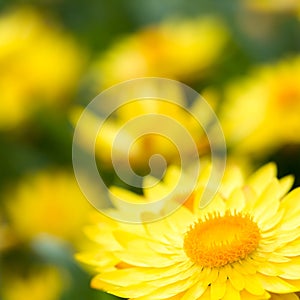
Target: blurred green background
[(56, 56)]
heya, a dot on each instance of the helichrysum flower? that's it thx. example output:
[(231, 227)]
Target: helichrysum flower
[(261, 112), (40, 65), (47, 203), (178, 49), (243, 245)]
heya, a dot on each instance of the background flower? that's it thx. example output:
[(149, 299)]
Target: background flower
[(177, 49), (40, 65), (271, 94)]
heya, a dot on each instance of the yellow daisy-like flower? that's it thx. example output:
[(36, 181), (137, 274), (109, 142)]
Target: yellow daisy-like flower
[(47, 203), (243, 245), (261, 113), (40, 65), (145, 139), (178, 49)]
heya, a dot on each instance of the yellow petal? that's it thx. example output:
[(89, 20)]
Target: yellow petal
[(290, 296), (170, 290), (267, 224), (261, 178), (286, 184), (217, 290), (290, 204), (276, 285), (216, 204), (267, 203), (236, 200), (237, 279), (100, 259), (291, 249), (269, 269), (231, 293), (253, 285), (180, 220), (248, 296), (143, 258), (196, 291), (131, 276), (290, 270)]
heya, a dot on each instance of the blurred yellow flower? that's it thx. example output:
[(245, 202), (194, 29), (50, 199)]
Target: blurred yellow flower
[(145, 138), (43, 284), (275, 6), (40, 65), (243, 245), (50, 203), (261, 113), (178, 49)]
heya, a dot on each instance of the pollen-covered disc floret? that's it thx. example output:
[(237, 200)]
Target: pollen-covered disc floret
[(219, 240)]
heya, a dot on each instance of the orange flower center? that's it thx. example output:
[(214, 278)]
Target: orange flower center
[(220, 240)]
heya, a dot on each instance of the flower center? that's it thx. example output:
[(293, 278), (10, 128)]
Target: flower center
[(220, 240)]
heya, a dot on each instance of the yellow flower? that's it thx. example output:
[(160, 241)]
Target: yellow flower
[(269, 6), (261, 113), (243, 245), (178, 49), (138, 143), (40, 65), (47, 203), (43, 284)]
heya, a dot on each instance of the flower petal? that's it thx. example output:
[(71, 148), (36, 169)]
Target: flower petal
[(276, 285), (261, 178)]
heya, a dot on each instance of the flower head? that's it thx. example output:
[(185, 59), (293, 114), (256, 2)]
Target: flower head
[(40, 65), (261, 112), (47, 203), (243, 245), (177, 49)]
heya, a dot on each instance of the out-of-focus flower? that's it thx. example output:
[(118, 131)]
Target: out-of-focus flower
[(261, 113), (50, 203), (178, 49), (244, 244), (40, 65), (146, 138), (42, 284), (275, 6)]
